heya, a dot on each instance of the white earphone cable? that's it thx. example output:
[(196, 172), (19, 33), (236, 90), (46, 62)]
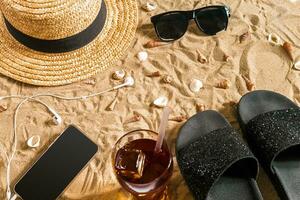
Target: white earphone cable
[(128, 81), (15, 141)]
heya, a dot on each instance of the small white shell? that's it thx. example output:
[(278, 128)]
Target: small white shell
[(297, 64), (196, 85), (142, 56), (119, 74), (274, 39), (161, 102), (149, 6), (112, 105), (33, 141)]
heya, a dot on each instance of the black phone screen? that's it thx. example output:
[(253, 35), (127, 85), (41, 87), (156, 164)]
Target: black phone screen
[(57, 167)]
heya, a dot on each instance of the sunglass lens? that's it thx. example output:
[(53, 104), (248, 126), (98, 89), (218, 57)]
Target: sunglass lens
[(212, 19), (171, 26)]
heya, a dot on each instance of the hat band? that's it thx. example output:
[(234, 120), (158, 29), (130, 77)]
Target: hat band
[(65, 44)]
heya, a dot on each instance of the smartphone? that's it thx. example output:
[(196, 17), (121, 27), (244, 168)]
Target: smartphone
[(57, 167)]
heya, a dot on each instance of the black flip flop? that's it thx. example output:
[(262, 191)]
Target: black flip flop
[(272, 124), (214, 161)]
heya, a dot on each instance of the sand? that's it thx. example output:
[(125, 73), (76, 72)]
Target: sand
[(267, 66)]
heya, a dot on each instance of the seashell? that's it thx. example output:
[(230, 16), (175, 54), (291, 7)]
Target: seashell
[(274, 39), (142, 56), (153, 43), (288, 48), (3, 107), (201, 58), (154, 74), (34, 141), (200, 107), (297, 64), (161, 102), (223, 84), (119, 74), (112, 105), (226, 58), (249, 84), (245, 36), (136, 117), (180, 118), (149, 6), (91, 81), (196, 85), (167, 79)]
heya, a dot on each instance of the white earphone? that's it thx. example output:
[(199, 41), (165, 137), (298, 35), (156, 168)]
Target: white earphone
[(128, 82), (57, 119)]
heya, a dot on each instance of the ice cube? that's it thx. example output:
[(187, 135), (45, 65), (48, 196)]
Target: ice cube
[(130, 163), (140, 163)]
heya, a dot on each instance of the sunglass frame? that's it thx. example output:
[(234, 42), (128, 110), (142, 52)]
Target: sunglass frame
[(189, 15)]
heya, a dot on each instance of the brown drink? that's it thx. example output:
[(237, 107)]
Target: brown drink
[(140, 170)]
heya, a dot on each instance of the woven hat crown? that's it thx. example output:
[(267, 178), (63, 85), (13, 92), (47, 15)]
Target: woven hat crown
[(48, 19)]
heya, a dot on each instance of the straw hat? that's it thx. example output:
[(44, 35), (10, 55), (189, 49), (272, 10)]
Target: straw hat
[(46, 42)]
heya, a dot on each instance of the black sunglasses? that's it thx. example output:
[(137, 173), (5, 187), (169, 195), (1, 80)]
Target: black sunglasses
[(172, 25)]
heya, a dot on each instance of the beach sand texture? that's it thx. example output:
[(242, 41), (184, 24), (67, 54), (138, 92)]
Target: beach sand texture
[(267, 66)]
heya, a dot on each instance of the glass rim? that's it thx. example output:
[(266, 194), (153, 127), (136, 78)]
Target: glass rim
[(162, 174)]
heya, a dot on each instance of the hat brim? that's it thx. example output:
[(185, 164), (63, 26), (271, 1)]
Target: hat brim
[(48, 69)]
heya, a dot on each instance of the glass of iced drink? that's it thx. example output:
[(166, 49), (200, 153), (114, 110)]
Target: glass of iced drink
[(141, 171)]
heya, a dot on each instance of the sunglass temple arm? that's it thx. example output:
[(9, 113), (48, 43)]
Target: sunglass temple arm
[(228, 11)]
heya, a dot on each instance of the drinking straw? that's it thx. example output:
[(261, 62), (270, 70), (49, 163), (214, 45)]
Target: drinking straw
[(162, 129)]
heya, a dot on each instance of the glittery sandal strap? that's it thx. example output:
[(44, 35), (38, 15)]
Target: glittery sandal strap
[(271, 133), (205, 160)]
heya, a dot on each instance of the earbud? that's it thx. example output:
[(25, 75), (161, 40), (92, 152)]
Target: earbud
[(128, 82), (57, 120), (8, 194)]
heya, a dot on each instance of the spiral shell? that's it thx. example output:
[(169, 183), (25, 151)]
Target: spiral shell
[(223, 84), (112, 105), (226, 58), (200, 107), (136, 117), (288, 48), (249, 84), (179, 118), (154, 74), (201, 58), (167, 79), (153, 43)]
